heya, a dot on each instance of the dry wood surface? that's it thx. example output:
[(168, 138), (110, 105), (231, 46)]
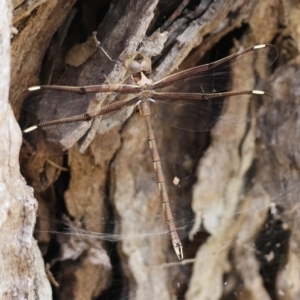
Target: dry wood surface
[(99, 225)]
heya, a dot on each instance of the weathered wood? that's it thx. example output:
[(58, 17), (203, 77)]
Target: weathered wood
[(243, 192), (22, 273)]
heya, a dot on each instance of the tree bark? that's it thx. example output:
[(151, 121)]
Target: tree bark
[(100, 224), (22, 272)]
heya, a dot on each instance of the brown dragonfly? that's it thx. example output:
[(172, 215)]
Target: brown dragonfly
[(196, 99)]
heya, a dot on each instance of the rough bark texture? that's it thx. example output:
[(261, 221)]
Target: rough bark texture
[(22, 272), (100, 226)]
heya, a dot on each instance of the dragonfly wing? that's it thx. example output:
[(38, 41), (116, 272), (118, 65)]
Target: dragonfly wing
[(49, 105), (106, 122), (213, 110), (218, 76), (45, 106)]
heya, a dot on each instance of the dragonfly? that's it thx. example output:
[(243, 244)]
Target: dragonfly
[(196, 99)]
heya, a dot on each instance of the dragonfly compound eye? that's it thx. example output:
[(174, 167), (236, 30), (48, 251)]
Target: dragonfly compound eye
[(133, 66), (146, 64)]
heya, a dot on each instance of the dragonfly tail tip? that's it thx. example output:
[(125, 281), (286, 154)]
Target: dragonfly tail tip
[(179, 251)]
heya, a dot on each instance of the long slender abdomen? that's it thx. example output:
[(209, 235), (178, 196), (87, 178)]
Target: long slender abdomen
[(145, 112)]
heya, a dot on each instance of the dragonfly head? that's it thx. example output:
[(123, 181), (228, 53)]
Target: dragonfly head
[(138, 63)]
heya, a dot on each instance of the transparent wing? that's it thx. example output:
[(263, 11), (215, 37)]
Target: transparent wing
[(217, 76), (207, 111), (43, 106)]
